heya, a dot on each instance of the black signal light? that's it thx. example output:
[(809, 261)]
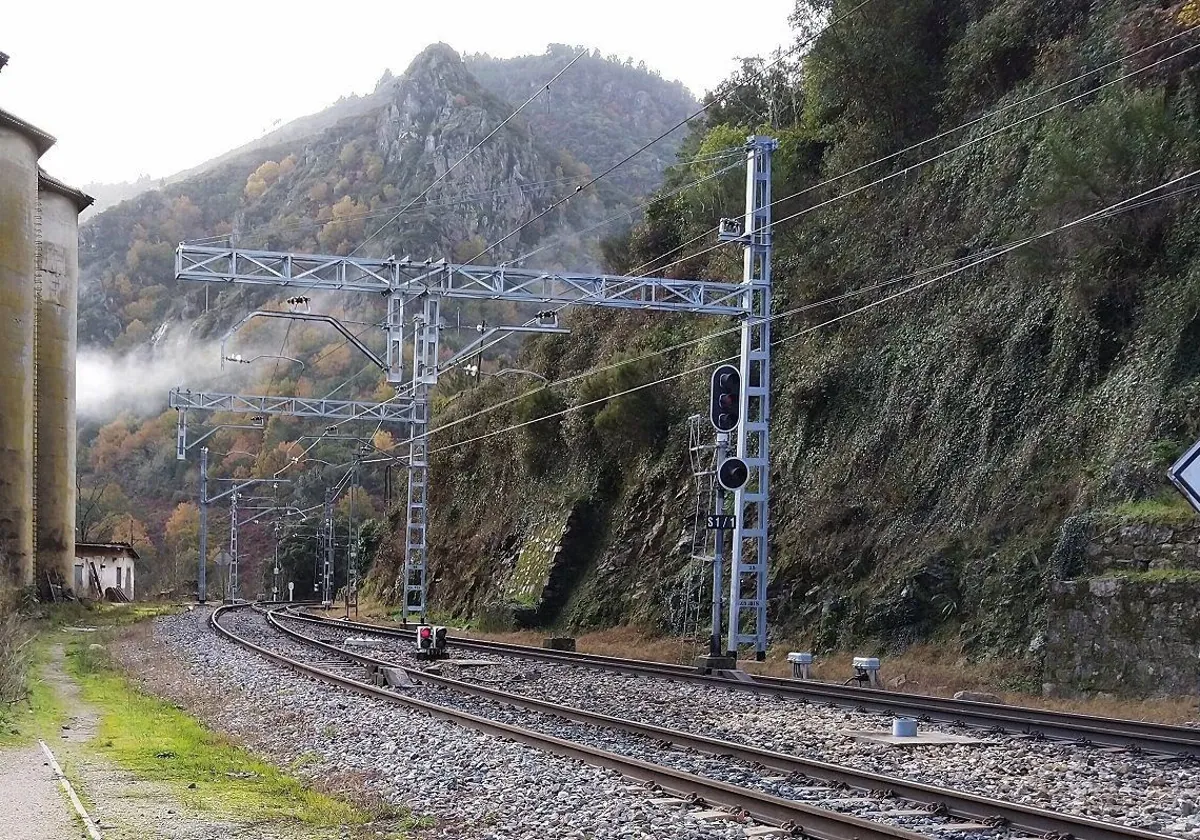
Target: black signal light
[(726, 391)]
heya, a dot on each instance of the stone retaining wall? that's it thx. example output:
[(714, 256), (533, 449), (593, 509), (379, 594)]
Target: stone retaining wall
[(1132, 635), (1139, 547)]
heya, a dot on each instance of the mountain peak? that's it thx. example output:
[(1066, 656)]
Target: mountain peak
[(437, 63)]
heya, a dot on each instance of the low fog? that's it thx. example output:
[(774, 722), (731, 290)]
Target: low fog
[(108, 384)]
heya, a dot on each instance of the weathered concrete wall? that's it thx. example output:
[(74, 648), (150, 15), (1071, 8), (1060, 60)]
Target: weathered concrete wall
[(57, 305), (1135, 634), (18, 208)]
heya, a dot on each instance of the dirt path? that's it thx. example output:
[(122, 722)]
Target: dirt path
[(123, 806), (32, 805)]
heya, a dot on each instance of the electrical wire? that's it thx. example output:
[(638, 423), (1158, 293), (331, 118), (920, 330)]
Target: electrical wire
[(578, 233), (453, 201), (884, 159), (962, 126), (810, 209), (712, 101), (275, 369), (1111, 210), (590, 372), (680, 189)]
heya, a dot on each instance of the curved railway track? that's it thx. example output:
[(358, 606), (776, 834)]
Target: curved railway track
[(1136, 736), (937, 802)]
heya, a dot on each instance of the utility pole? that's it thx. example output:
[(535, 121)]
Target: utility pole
[(205, 501), (233, 548), (718, 593), (748, 567), (351, 551), (327, 574), (202, 582), (275, 568)]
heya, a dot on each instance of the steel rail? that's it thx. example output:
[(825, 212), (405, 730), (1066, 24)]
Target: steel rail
[(1087, 730), (936, 799), (801, 819)]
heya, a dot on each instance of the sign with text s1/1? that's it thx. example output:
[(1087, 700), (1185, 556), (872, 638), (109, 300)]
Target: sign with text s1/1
[(1185, 474)]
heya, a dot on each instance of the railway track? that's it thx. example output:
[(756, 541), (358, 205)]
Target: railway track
[(1086, 730), (935, 810)]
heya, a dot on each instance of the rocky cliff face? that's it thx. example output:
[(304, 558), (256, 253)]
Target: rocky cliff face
[(933, 456), (583, 109)]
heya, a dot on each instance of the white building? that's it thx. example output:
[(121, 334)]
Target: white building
[(100, 567)]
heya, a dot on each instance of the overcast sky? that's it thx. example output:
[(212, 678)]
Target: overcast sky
[(155, 87)]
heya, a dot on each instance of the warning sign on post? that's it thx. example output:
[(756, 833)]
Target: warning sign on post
[(1185, 474)]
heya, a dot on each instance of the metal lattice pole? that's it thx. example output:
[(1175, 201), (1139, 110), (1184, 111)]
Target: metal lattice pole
[(233, 547), (327, 571), (718, 555), (275, 568), (202, 579), (748, 568), (425, 360), (351, 551)]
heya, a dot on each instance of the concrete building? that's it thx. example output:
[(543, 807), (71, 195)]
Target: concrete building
[(20, 147), (103, 566), (39, 280), (55, 332)]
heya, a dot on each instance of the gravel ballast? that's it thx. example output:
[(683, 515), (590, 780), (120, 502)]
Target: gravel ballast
[(474, 785), (1156, 793)]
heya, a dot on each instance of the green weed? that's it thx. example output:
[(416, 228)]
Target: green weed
[(158, 742)]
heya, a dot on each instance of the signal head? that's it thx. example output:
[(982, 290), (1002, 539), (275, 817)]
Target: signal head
[(733, 474), (725, 396)]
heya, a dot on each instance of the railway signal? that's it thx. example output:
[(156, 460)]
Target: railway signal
[(733, 474), (431, 641), (726, 393)]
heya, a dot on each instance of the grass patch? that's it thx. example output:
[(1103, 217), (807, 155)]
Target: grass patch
[(158, 742), (39, 714), (1157, 576), (1167, 510), (88, 614)]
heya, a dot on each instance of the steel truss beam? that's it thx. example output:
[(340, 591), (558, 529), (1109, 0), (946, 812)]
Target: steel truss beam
[(408, 279), (399, 410)]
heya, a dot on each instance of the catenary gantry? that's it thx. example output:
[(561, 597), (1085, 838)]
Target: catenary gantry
[(419, 286)]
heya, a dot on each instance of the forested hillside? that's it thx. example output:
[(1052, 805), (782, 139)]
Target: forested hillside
[(329, 191), (945, 414)]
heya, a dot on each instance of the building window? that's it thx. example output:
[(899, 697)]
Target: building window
[(119, 570)]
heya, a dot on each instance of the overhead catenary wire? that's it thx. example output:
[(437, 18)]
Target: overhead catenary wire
[(892, 175), (451, 201), (985, 117), (1139, 200), (683, 345), (905, 170), (691, 184), (682, 188), (712, 101)]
